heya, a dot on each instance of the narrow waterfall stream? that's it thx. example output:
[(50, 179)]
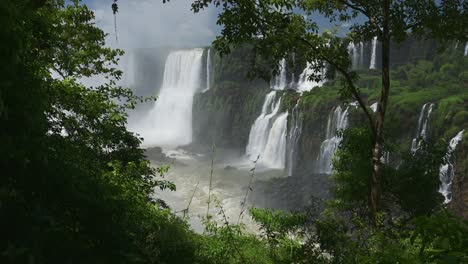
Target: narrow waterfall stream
[(421, 132), (208, 71), (294, 134), (337, 120), (374, 54), (446, 171)]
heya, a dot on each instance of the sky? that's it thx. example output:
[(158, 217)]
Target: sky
[(150, 23)]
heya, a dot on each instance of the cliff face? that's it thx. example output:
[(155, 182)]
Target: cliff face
[(459, 203)]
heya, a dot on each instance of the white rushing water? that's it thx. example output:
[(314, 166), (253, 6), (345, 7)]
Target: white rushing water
[(259, 132), (274, 154), (169, 122), (374, 54), (353, 52), (208, 71), (421, 132), (294, 134), (361, 54), (304, 84), (446, 171), (466, 49), (337, 120), (280, 81)]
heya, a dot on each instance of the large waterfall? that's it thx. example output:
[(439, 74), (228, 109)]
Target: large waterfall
[(337, 120), (294, 134), (421, 132), (208, 70), (374, 54), (466, 49), (304, 84), (446, 171), (169, 123)]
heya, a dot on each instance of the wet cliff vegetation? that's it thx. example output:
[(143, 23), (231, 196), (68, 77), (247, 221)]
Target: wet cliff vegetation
[(76, 187)]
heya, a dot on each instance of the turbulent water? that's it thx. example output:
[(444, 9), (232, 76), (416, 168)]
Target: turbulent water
[(374, 54), (337, 120), (294, 134), (304, 84), (169, 122), (446, 172), (421, 132)]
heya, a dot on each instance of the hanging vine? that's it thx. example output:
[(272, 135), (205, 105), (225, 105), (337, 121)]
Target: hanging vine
[(115, 9)]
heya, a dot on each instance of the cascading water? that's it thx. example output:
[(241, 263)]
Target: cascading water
[(353, 52), (337, 120), (446, 171), (374, 54), (169, 123), (421, 133), (208, 69), (361, 54), (259, 132), (280, 82), (466, 50), (304, 84), (274, 154), (294, 134)]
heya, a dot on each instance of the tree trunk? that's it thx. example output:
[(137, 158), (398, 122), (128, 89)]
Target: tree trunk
[(376, 181)]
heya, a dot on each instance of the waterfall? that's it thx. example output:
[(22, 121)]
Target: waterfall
[(259, 132), (446, 171), (353, 52), (374, 54), (274, 155), (294, 134), (421, 132), (374, 107), (337, 120), (169, 122), (361, 54), (466, 49), (208, 69), (280, 80), (304, 84)]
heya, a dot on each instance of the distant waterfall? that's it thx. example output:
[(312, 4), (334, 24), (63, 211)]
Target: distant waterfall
[(423, 120), (361, 53), (353, 52), (466, 49), (259, 132), (169, 123), (208, 69), (446, 172), (337, 120), (374, 54), (280, 81), (304, 84), (294, 134), (274, 155)]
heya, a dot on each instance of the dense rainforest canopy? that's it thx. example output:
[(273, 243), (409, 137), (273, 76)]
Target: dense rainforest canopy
[(76, 186)]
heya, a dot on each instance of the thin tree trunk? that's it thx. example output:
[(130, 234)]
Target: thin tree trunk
[(376, 181)]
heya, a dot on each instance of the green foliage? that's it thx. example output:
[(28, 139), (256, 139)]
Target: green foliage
[(75, 185)]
